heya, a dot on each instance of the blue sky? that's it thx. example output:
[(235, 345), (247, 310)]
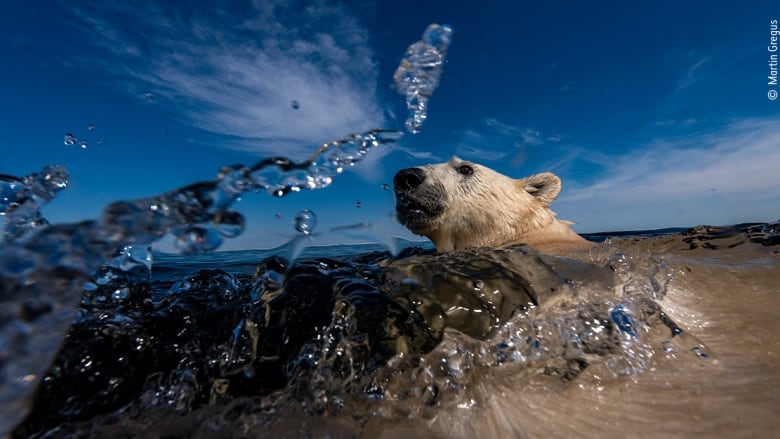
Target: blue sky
[(654, 114)]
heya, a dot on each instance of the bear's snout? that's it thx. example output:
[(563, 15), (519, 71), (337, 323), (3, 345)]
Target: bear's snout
[(407, 179)]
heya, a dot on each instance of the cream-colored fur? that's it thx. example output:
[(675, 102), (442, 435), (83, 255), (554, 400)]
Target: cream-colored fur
[(476, 206)]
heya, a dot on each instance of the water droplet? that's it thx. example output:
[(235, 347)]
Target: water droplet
[(278, 215), (296, 105), (196, 239), (305, 221), (99, 142), (70, 139), (438, 36), (418, 74), (230, 224), (91, 127), (701, 352), (121, 294), (83, 143), (149, 96), (385, 186), (358, 204)]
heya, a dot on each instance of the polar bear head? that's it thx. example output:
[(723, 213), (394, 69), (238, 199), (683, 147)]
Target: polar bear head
[(460, 204)]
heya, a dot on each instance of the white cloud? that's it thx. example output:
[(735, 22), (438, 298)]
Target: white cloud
[(236, 70), (720, 177)]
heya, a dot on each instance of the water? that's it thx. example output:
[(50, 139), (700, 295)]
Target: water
[(670, 334), (419, 72), (45, 267)]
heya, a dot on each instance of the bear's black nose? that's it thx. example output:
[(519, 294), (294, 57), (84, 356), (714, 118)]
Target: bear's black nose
[(408, 179)]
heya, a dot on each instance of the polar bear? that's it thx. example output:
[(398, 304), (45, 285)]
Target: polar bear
[(460, 204)]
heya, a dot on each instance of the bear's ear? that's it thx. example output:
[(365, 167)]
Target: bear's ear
[(545, 186)]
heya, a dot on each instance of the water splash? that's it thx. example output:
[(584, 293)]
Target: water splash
[(52, 264), (418, 74), (22, 198)]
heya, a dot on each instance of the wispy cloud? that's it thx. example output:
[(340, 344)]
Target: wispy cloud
[(495, 140), (685, 123), (273, 77), (720, 177), (694, 72)]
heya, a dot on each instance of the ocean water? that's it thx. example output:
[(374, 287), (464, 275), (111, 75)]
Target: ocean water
[(651, 333)]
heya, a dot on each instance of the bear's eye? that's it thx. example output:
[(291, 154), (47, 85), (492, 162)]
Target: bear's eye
[(465, 170)]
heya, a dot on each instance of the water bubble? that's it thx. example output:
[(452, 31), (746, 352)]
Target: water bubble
[(83, 143), (149, 96), (70, 139), (91, 127), (305, 221), (296, 105), (385, 186)]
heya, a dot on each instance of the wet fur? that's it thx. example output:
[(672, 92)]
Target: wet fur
[(485, 209)]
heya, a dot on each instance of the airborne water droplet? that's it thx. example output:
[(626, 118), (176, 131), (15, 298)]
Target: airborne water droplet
[(385, 186), (296, 105), (148, 95), (196, 239), (83, 143), (305, 221), (70, 139), (358, 204), (418, 74), (91, 127)]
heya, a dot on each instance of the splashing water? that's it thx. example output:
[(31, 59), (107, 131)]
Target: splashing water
[(418, 74), (51, 265), (45, 270), (22, 198)]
